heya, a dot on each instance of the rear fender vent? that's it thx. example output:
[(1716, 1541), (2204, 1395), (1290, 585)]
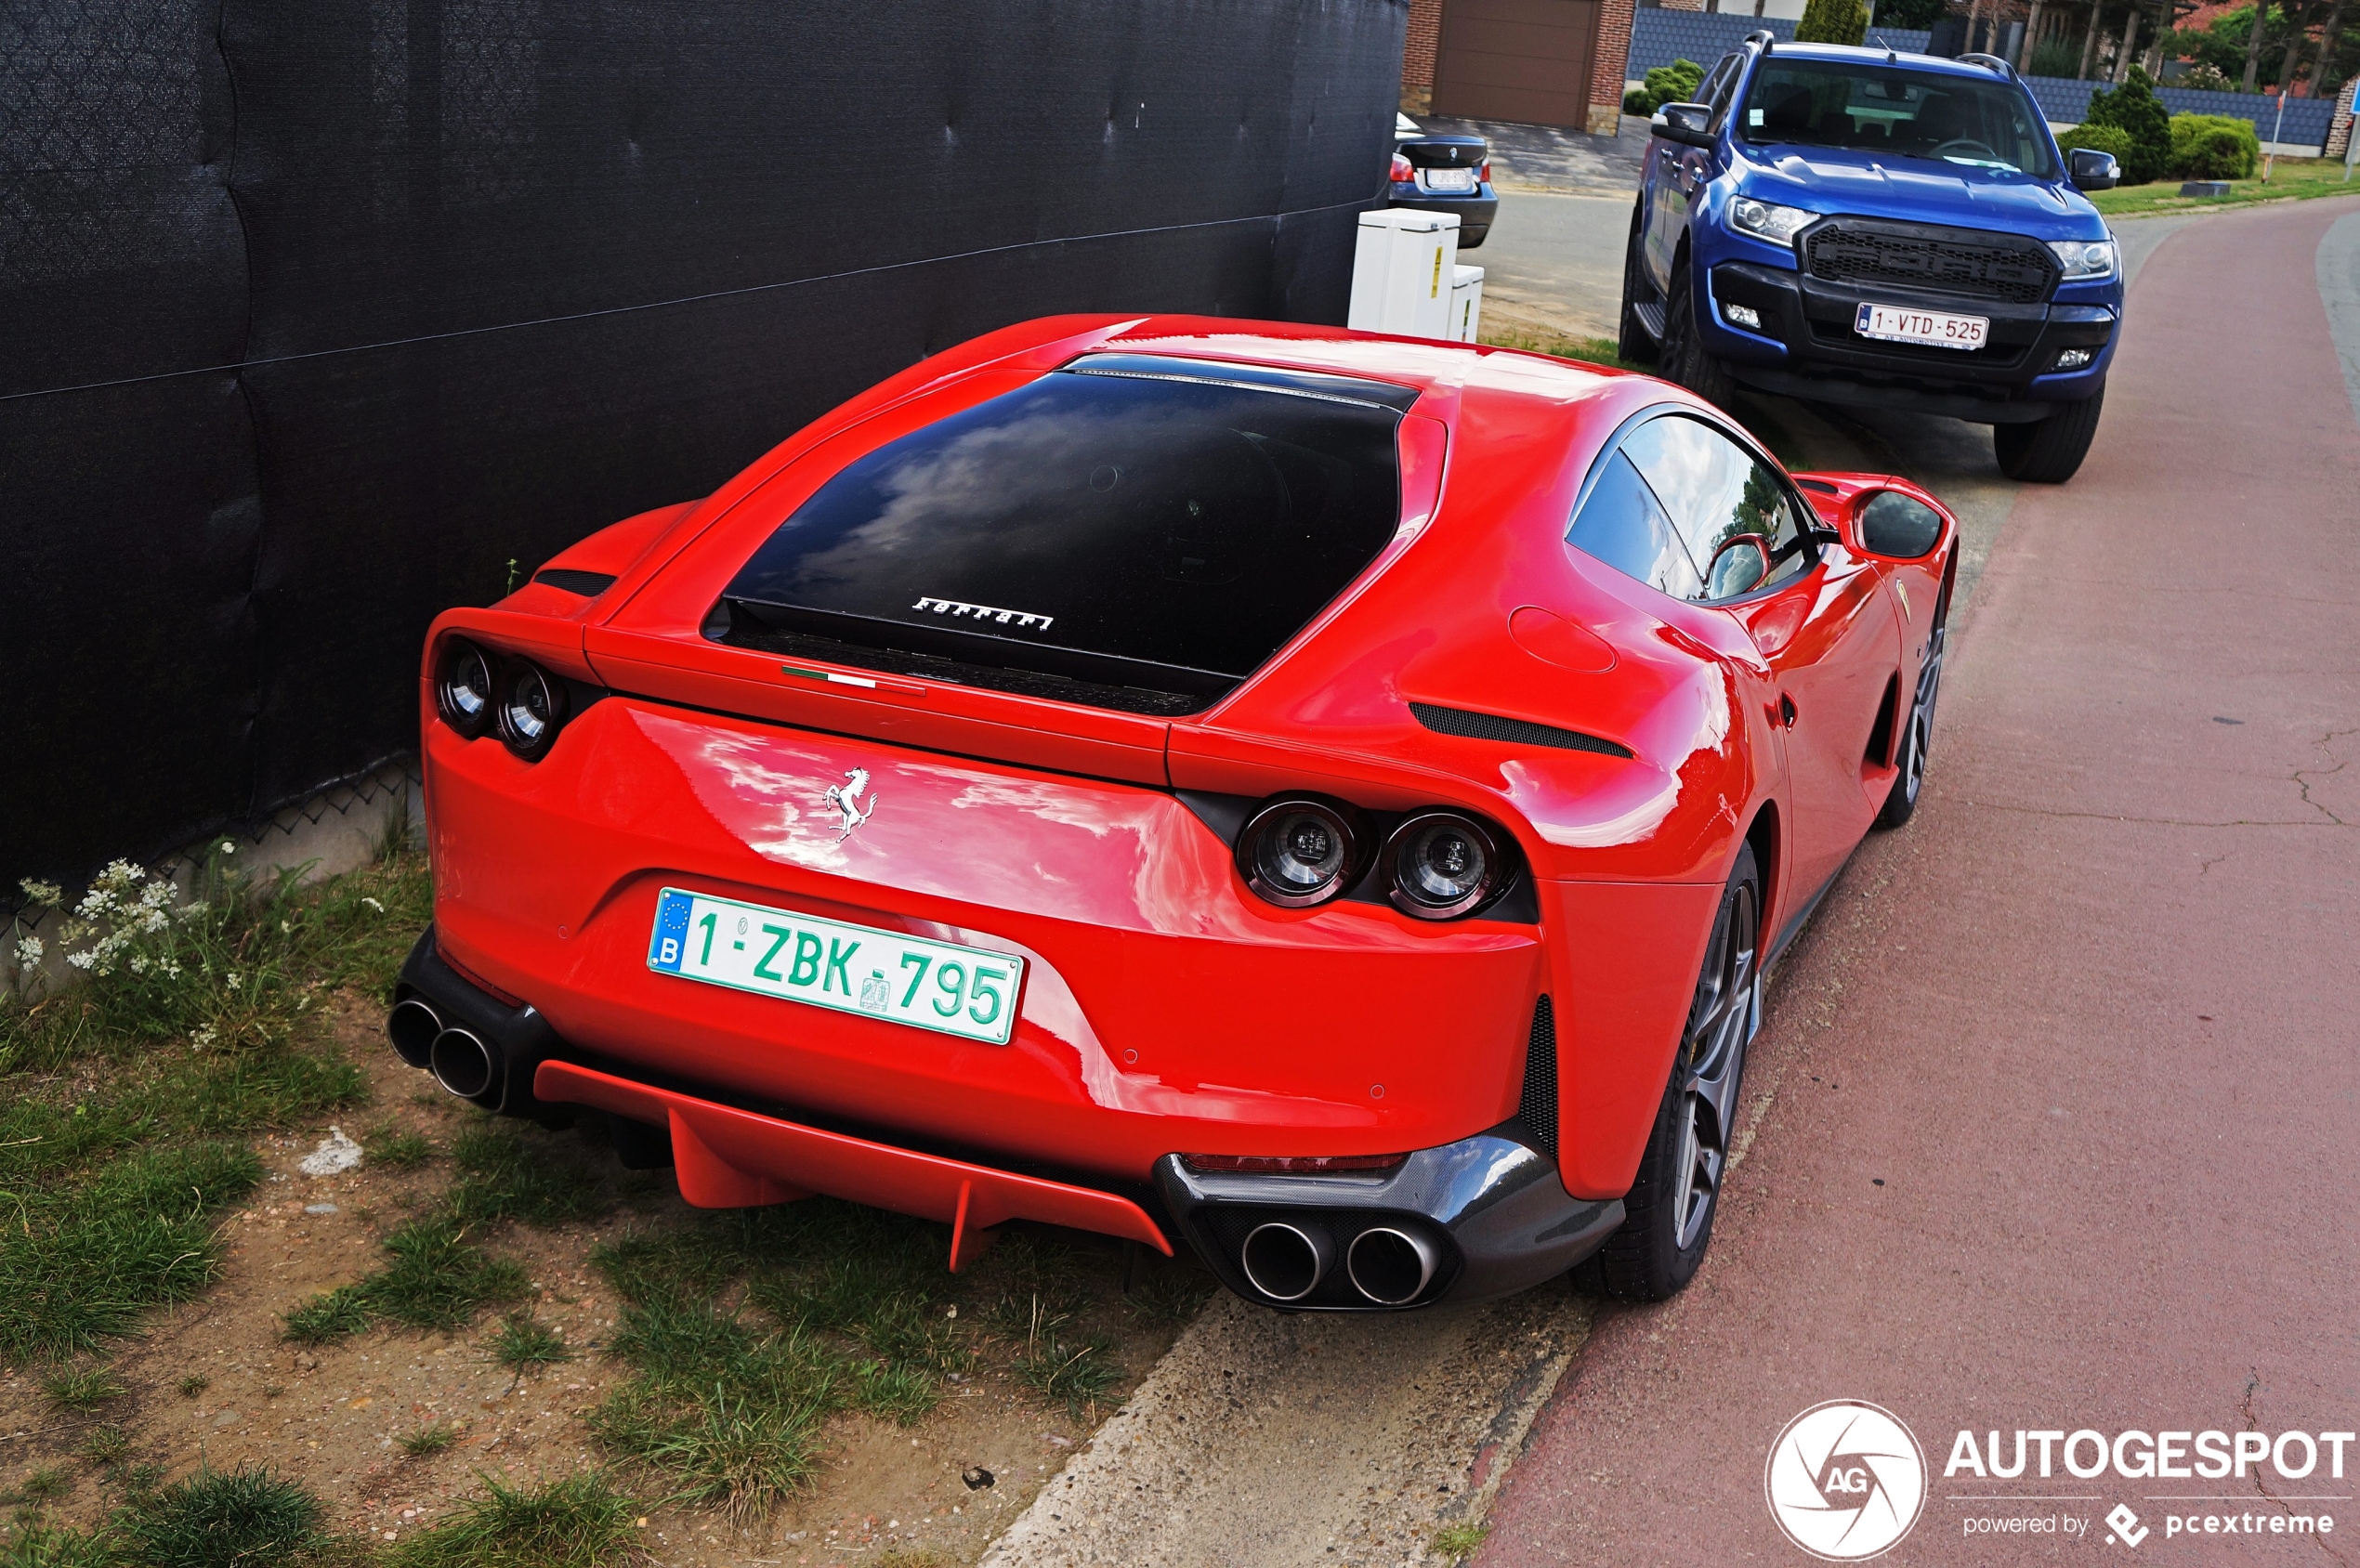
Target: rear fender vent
[(1537, 1107), (590, 584), (1516, 732)]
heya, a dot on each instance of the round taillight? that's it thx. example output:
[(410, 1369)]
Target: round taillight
[(532, 704), (1301, 850), (1445, 864), (463, 689)]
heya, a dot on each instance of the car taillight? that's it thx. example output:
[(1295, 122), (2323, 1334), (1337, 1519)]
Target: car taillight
[(1483, 172), (1402, 172), (1291, 1165), (1300, 849), (1444, 863), (532, 705), (463, 691)]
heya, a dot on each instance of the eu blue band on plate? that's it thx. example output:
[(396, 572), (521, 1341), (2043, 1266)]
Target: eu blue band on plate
[(671, 938)]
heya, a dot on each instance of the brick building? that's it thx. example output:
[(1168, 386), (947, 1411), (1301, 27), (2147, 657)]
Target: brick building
[(1543, 62)]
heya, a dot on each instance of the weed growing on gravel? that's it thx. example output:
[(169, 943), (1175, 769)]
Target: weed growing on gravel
[(105, 1448), (521, 1344), (1171, 1295), (436, 1279), (214, 1518), (83, 1388), (44, 1485), (398, 1150), (427, 1441), (193, 1384), (1458, 1542), (48, 1546), (505, 1173), (575, 1522)]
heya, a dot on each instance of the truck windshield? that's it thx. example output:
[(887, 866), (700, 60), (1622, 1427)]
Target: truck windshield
[(1874, 108)]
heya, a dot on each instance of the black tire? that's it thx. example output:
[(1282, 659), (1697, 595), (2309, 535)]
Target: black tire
[(1684, 359), (1668, 1213), (1916, 735), (2050, 451), (1633, 343)]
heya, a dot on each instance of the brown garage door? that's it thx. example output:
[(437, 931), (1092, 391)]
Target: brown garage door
[(1517, 59)]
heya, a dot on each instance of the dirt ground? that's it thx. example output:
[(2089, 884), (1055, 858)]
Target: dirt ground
[(330, 1416)]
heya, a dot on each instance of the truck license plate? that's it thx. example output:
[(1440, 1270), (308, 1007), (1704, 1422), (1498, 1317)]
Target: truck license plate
[(1896, 323)]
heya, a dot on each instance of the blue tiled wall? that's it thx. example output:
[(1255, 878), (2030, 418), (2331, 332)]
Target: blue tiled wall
[(1659, 37), (2066, 102)]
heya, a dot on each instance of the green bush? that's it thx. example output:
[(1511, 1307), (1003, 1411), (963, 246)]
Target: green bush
[(2213, 147), (1676, 82), (2098, 138), (1833, 22), (2135, 109)]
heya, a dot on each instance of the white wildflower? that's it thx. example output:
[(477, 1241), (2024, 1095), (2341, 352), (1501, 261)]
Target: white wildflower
[(171, 967), (28, 952), (285, 929), (139, 963), (202, 1037), (233, 978), (48, 895), (374, 905), (228, 848), (82, 960)]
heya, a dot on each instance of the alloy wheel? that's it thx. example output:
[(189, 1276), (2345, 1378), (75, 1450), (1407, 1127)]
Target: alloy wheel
[(1720, 1024), (1921, 719)]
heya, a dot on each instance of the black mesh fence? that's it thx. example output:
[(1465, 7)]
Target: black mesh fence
[(321, 312)]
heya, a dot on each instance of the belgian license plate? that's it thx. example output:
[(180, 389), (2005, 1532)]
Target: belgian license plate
[(1894, 323), (944, 987), (1450, 179)]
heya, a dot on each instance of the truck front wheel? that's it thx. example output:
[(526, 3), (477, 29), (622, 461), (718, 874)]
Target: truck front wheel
[(2048, 451), (1684, 359)]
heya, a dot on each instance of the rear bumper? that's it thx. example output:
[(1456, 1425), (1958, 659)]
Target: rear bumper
[(1492, 1206), (1806, 347), (1475, 213)]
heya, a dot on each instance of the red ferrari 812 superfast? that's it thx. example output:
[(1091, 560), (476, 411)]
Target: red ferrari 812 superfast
[(1321, 799)]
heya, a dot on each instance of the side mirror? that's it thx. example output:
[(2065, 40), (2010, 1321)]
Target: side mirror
[(2093, 170), (1738, 567), (1892, 524), (1688, 123)]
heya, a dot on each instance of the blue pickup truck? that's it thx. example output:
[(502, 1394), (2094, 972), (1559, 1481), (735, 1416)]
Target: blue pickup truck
[(1862, 226)]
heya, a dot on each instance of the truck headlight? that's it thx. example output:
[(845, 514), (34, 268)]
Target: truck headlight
[(2084, 258), (1767, 220)]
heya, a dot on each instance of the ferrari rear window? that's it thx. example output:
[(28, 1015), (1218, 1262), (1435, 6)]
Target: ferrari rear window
[(1131, 532)]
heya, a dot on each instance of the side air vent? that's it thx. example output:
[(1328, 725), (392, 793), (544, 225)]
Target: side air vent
[(589, 585), (1491, 726), (1537, 1107)]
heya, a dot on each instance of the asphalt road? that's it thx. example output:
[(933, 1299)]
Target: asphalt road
[(2051, 1124)]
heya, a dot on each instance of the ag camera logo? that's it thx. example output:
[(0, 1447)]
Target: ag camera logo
[(1846, 1480)]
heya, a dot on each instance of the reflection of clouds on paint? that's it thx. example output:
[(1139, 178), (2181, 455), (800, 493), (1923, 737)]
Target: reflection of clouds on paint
[(1094, 814), (730, 772)]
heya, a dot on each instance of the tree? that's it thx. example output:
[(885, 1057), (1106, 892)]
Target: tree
[(2135, 109), (1917, 16), (1833, 22)]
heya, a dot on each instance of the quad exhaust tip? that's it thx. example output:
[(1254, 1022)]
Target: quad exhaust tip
[(413, 1026), (463, 1063), (1390, 1267), (1286, 1261)]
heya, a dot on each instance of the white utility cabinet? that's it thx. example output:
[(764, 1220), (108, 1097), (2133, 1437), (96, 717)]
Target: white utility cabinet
[(1466, 303), (1404, 272)]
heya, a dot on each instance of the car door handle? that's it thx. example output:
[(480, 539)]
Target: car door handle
[(1785, 709)]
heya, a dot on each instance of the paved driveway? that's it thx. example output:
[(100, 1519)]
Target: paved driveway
[(2053, 1123)]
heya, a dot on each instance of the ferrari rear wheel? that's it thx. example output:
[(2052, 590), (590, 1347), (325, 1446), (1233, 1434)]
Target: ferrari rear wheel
[(1685, 358), (1916, 738), (1668, 1211)]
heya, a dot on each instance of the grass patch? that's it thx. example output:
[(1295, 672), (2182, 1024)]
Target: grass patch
[(427, 1442), (44, 1485), (436, 1279), (105, 1448), (125, 1101), (522, 1343), (575, 1522), (505, 1173), (398, 1150), (2293, 179), (83, 1388), (1458, 1542), (1589, 350), (193, 1384), (1169, 1295), (46, 1545), (217, 1517)]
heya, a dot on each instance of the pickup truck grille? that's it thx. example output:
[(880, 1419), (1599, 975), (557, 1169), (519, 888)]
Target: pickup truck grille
[(1938, 260)]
